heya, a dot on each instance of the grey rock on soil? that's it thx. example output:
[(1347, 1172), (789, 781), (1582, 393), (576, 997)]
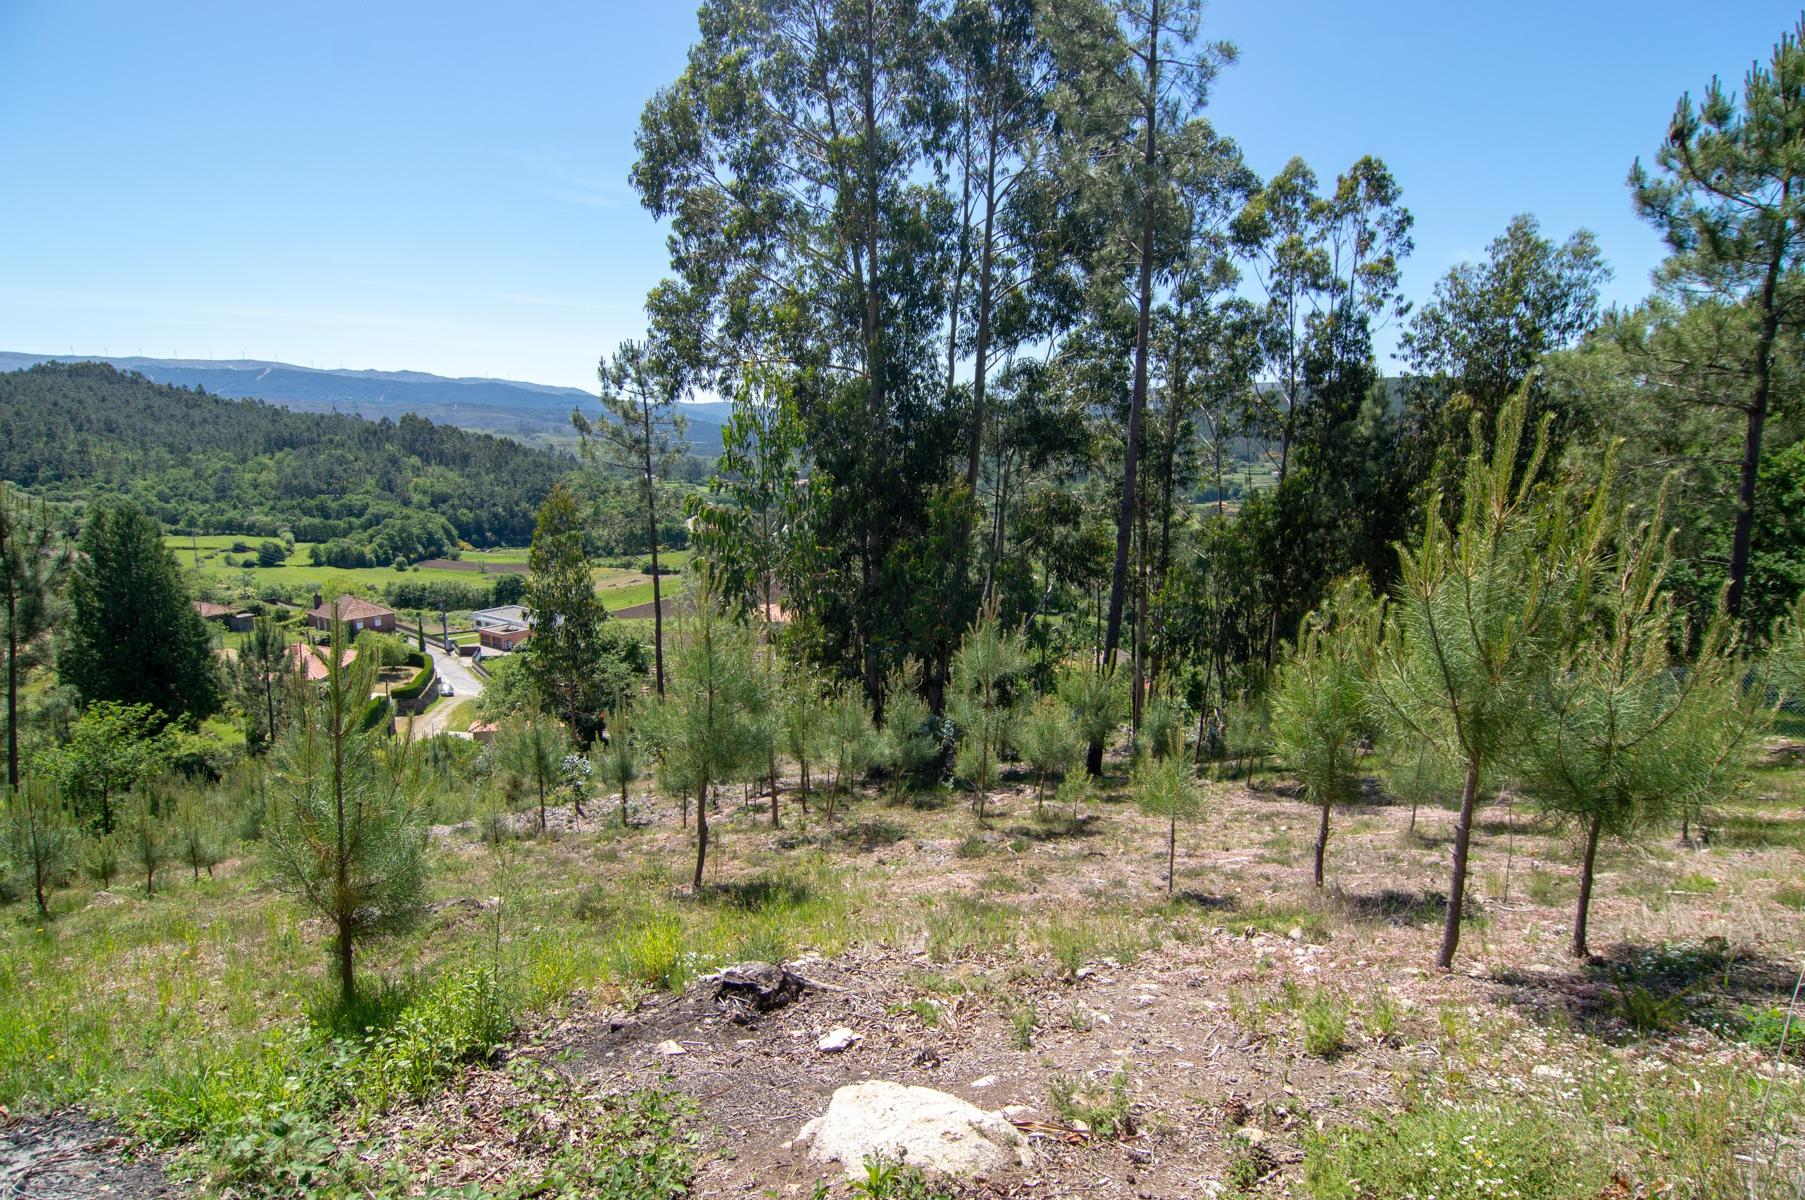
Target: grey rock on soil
[(920, 1126), (70, 1156)]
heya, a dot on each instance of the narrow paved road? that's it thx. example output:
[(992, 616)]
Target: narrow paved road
[(465, 683)]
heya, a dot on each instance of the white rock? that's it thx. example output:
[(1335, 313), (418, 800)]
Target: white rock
[(919, 1126), (671, 1048), (987, 1081), (837, 1039)]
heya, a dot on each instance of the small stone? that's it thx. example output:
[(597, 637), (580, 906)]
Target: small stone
[(837, 1039), (1084, 973), (1252, 1134), (1080, 1127), (987, 1081), (670, 1048), (1296, 934)]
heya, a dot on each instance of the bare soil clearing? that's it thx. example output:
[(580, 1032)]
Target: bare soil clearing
[(1033, 959)]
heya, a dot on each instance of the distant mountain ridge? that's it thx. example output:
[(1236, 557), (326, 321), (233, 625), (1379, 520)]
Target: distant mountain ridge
[(534, 413)]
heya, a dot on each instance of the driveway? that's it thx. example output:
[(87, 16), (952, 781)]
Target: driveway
[(465, 683)]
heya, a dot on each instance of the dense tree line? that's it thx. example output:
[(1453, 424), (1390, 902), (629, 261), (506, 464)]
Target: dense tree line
[(381, 489)]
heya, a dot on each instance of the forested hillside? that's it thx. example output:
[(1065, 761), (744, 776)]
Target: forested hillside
[(198, 462)]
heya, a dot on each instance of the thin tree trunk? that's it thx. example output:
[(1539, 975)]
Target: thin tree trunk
[(1137, 404), (341, 867), (623, 806), (12, 685), (1171, 850), (652, 535), (1578, 948), (701, 834), (1322, 840), (1457, 885), (1751, 443), (347, 983), (982, 361)]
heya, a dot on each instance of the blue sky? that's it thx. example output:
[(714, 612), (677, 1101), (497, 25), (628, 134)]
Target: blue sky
[(442, 186)]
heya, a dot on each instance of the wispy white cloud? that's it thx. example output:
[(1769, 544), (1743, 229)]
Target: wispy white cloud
[(562, 178)]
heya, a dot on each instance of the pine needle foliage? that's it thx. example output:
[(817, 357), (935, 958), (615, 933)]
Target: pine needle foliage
[(1047, 739), (1099, 704), (983, 703), (1625, 732), (1166, 786), (852, 742), (531, 752), (1318, 699), (800, 717), (1483, 607), (40, 839), (911, 746), (619, 763), (706, 727), (345, 830)]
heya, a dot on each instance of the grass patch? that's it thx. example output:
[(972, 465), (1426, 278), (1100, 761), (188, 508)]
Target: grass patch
[(1103, 1106), (1322, 1015), (1452, 1152)]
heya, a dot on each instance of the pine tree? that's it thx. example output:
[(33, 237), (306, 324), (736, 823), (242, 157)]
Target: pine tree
[(1625, 731), (1727, 199), (1167, 787), (706, 726), (852, 743), (145, 839), (620, 764), (564, 657), (1047, 739), (39, 840), (345, 830), (133, 637), (33, 564), (911, 739), (801, 715), (1480, 613), (199, 834), (983, 703), (264, 677), (1099, 705), (531, 751), (1319, 709)]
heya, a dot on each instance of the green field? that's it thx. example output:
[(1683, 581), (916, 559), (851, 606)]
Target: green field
[(217, 566)]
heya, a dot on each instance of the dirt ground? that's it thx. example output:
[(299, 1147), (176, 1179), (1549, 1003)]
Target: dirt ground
[(1200, 1030), (70, 1156)]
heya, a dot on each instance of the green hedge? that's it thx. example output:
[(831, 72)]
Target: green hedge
[(374, 713), (412, 688)]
